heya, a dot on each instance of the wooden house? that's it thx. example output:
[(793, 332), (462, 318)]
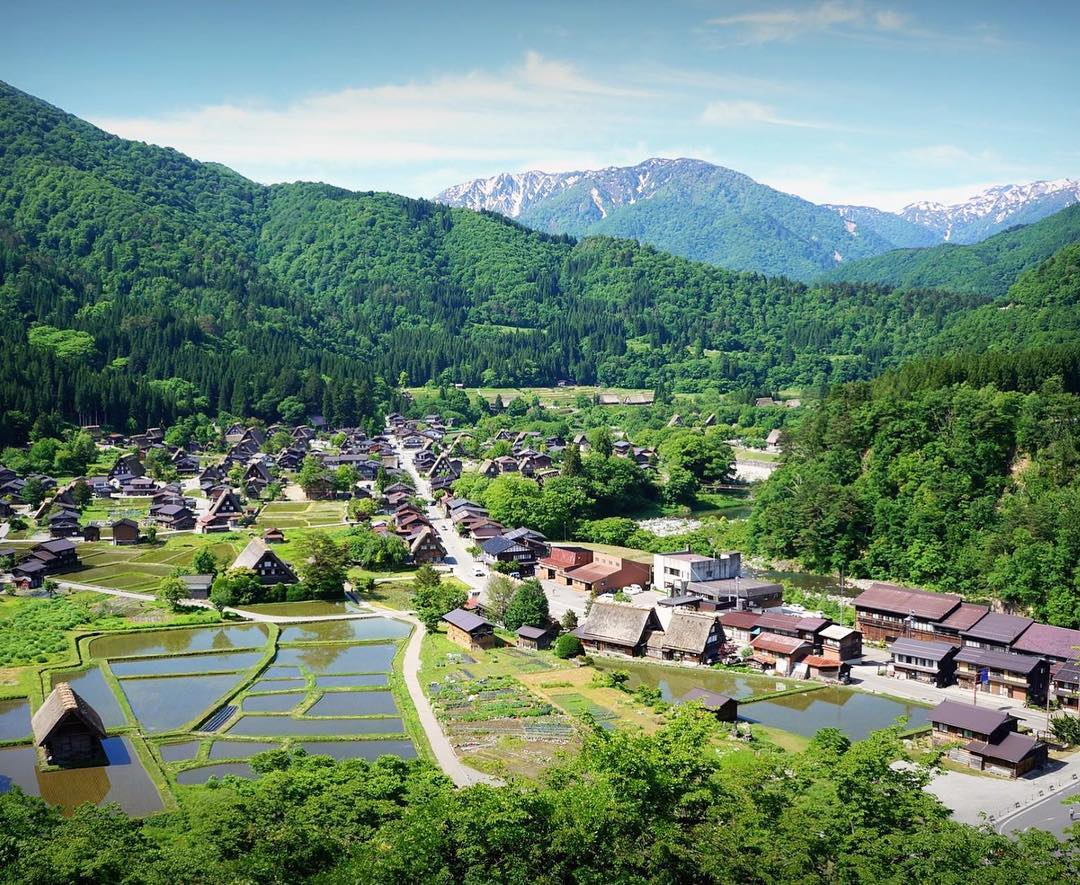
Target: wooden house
[(721, 706), (780, 653), (67, 728), (1001, 673), (618, 628), (125, 531), (223, 513), (469, 630), (269, 568), (692, 636), (924, 661), (536, 637)]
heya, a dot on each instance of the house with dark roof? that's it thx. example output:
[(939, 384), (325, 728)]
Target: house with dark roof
[(923, 661), (536, 637), (197, 586), (1056, 644), (618, 628), (1001, 673), (269, 568), (739, 626), (125, 531), (886, 612), (725, 709), (59, 555), (505, 549), (840, 643), (67, 728), (175, 517), (990, 740), (222, 515), (995, 630), (469, 630), (962, 618), (1065, 685)]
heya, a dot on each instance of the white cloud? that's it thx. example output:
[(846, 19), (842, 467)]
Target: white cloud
[(740, 112), (787, 23), (530, 114)]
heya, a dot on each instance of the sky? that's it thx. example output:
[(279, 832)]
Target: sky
[(843, 101)]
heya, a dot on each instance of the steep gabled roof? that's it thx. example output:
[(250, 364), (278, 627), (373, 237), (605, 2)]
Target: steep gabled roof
[(688, 631), (61, 703), (617, 622)]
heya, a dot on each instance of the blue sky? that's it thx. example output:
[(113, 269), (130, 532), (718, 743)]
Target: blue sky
[(879, 103)]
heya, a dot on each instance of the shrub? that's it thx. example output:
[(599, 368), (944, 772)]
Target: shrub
[(568, 646)]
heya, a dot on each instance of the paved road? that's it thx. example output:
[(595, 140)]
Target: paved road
[(1050, 814), (463, 566), (445, 754)]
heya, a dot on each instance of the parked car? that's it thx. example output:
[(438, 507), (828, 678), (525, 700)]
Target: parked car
[(478, 572)]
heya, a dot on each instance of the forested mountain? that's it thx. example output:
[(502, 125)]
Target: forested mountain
[(887, 225), (687, 207), (989, 267), (140, 284)]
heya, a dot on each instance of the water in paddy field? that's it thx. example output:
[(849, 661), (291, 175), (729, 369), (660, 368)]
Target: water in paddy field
[(176, 642), (359, 681), (280, 726), (202, 775), (309, 609), (240, 749), (237, 660), (344, 631), (14, 719), (354, 703), (370, 750), (91, 686), (180, 752), (123, 780), (166, 703), (340, 658), (854, 713), (272, 703)]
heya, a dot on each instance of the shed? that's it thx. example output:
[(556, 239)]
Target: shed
[(720, 705), (468, 629), (125, 531), (68, 728), (534, 637)]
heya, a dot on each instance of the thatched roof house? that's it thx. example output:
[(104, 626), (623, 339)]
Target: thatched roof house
[(67, 727), (618, 627)]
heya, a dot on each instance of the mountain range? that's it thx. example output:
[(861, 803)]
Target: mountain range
[(710, 213), (138, 286)]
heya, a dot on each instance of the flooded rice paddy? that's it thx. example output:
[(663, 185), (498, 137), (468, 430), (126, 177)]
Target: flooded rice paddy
[(181, 752), (177, 642), (359, 629), (272, 703), (354, 703), (209, 663), (370, 750), (123, 780), (854, 713), (167, 703), (340, 658), (14, 719), (281, 726), (358, 681)]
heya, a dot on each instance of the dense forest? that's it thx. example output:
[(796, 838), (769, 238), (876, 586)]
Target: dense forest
[(627, 808), (960, 473), (989, 267), (141, 285)]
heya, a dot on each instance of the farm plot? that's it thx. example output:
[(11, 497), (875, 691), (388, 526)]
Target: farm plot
[(301, 514)]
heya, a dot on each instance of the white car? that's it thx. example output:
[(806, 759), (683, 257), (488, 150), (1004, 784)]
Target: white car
[(478, 573), (634, 589)]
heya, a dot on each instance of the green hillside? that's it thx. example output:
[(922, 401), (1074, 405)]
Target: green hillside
[(989, 267), (712, 214)]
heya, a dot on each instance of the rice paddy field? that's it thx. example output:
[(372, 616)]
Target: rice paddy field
[(301, 514), (186, 704)]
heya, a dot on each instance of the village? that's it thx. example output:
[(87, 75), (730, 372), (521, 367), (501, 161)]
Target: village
[(979, 684)]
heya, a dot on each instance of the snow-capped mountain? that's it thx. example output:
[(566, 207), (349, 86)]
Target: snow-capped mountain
[(710, 213), (994, 209), (514, 193), (684, 206)]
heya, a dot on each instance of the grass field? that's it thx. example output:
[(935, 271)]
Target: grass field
[(141, 567), (549, 396), (301, 514)]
